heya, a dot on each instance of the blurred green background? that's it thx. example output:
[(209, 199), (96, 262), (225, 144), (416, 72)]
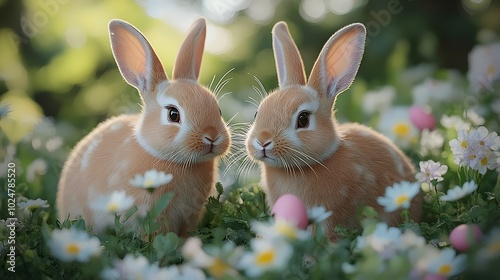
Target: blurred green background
[(56, 52), (55, 58)]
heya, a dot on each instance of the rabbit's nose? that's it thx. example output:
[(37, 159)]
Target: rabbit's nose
[(266, 144), (263, 145), (210, 139)]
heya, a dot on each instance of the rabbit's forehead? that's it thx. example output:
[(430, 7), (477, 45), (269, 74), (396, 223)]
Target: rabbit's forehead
[(286, 103), (189, 96)]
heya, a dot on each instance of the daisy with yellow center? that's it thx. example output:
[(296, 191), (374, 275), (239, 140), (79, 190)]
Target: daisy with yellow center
[(115, 203), (401, 129), (430, 171), (151, 180), (398, 196), (266, 255), (279, 229), (447, 263), (219, 263), (73, 244), (396, 124)]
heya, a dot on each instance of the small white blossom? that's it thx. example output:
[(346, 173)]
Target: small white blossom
[(266, 255), (218, 262), (475, 148), (447, 263), (432, 91), (318, 214), (37, 168), (459, 192), (378, 100), (455, 122), (398, 196), (484, 67), (115, 203), (395, 123), (132, 268), (72, 244), (279, 229), (431, 142), (491, 246), (152, 179), (384, 240), (31, 205), (430, 170)]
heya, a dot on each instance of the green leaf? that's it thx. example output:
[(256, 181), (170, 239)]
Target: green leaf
[(160, 205), (130, 212), (165, 244), (219, 188), (79, 224), (477, 212)]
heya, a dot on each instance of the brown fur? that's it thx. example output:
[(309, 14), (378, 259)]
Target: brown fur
[(340, 167), (113, 154)]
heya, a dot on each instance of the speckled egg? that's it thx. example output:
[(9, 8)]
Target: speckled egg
[(290, 208)]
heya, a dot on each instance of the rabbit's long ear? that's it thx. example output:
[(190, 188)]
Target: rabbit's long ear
[(339, 61), (288, 60), (136, 59), (187, 65)]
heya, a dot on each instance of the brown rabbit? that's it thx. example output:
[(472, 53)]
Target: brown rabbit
[(301, 148), (180, 131)]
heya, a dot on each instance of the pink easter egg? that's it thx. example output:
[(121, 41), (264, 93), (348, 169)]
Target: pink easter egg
[(464, 236), (422, 119), (290, 208)]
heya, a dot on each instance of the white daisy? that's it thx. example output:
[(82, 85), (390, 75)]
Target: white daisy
[(484, 66), (455, 122), (279, 229), (384, 240), (131, 268), (180, 272), (151, 180), (432, 91), (218, 262), (31, 205), (318, 214), (398, 195), (115, 203), (447, 263), (395, 123), (431, 142), (485, 160), (266, 255), (491, 246), (459, 192), (36, 169), (72, 244), (488, 140), (378, 100), (430, 170)]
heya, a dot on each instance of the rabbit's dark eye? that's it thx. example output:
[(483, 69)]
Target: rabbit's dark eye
[(303, 120), (173, 114)]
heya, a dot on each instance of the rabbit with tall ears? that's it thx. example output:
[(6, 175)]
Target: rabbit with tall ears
[(301, 148), (180, 131)]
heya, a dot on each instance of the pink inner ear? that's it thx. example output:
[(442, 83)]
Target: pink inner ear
[(342, 61), (130, 54), (135, 57)]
